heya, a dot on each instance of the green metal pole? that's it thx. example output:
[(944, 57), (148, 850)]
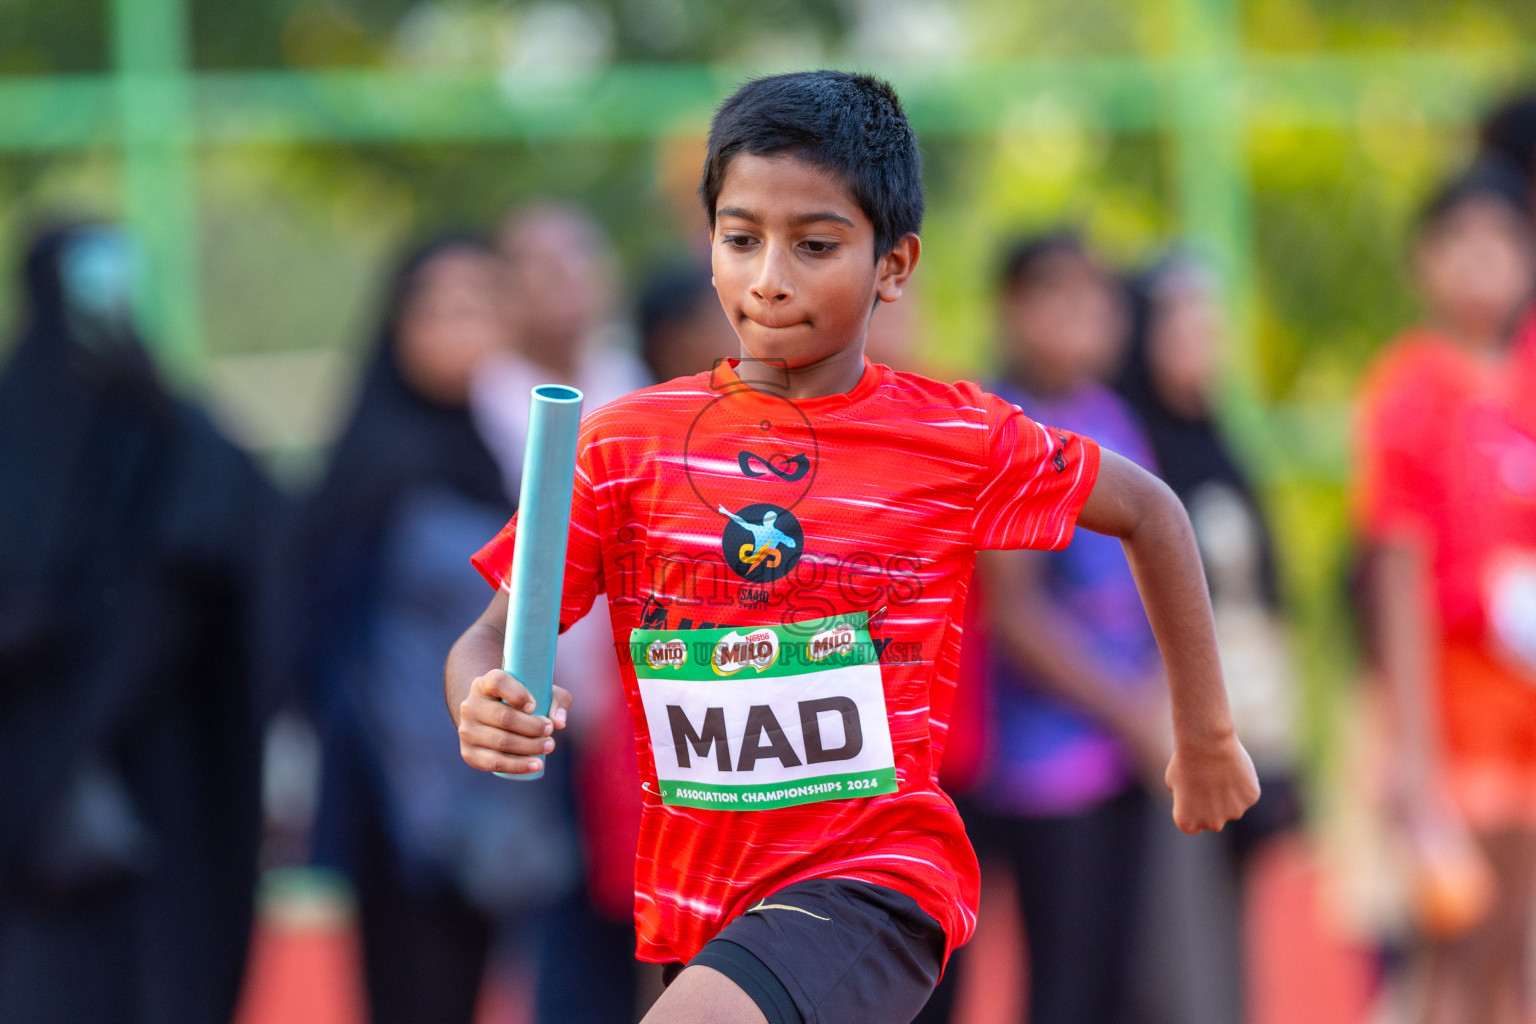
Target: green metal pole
[(150, 44), (1214, 198)]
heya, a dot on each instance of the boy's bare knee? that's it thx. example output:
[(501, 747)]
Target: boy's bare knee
[(702, 995)]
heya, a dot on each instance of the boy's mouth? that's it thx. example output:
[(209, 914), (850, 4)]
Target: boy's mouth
[(773, 326)]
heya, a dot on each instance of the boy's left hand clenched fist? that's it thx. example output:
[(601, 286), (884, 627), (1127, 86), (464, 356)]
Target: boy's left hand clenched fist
[(1212, 783)]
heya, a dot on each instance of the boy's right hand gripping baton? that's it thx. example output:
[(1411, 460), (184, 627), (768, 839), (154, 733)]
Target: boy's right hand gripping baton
[(538, 560)]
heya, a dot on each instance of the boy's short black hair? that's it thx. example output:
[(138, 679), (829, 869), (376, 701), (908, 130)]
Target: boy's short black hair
[(1488, 179), (849, 124)]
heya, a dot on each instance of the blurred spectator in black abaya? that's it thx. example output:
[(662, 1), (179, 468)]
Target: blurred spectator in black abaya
[(444, 858), (132, 540), (1190, 950)]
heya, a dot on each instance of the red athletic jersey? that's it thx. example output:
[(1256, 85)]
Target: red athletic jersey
[(1448, 458), (705, 504)]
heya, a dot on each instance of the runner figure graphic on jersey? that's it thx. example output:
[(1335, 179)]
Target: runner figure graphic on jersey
[(761, 542), (766, 539)]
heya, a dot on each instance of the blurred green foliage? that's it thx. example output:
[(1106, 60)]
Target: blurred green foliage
[(1328, 207)]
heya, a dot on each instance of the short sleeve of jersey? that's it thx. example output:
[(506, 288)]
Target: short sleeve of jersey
[(583, 552), (1033, 482)]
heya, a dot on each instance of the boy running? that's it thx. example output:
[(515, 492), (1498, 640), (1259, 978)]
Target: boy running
[(796, 852)]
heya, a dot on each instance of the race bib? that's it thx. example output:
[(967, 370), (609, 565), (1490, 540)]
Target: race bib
[(751, 718)]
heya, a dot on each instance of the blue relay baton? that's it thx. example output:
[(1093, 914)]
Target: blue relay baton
[(538, 559)]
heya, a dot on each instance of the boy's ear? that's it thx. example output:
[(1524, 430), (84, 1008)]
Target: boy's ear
[(712, 283), (896, 266)]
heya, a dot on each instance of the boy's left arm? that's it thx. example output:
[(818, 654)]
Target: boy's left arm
[(1211, 775)]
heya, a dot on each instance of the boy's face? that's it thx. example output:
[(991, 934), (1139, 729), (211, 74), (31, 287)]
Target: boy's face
[(794, 262)]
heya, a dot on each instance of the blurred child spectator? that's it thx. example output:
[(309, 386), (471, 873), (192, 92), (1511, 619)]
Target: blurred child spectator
[(132, 540), (1190, 965), (442, 856), (1079, 716), (683, 330), (1447, 500), (559, 296)]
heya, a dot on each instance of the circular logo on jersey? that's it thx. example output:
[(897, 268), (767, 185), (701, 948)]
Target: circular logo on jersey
[(750, 445), (762, 542)]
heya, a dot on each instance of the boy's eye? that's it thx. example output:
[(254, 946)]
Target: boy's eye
[(738, 241), (816, 248)]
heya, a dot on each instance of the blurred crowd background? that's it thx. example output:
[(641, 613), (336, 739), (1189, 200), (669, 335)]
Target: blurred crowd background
[(275, 278)]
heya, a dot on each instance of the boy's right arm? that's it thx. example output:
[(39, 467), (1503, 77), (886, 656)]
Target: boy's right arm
[(1211, 775), (497, 730)]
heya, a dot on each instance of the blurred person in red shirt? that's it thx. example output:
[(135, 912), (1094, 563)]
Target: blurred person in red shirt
[(1446, 500)]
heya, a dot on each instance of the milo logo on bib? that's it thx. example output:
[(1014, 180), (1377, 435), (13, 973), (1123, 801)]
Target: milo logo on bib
[(734, 652), (752, 718), (666, 653)]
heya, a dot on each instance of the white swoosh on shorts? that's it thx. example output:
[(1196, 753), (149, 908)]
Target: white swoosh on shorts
[(763, 904)]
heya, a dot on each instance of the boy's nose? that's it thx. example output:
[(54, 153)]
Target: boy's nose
[(771, 285)]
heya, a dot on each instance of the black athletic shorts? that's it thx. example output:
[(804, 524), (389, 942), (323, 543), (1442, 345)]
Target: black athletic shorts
[(830, 951)]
